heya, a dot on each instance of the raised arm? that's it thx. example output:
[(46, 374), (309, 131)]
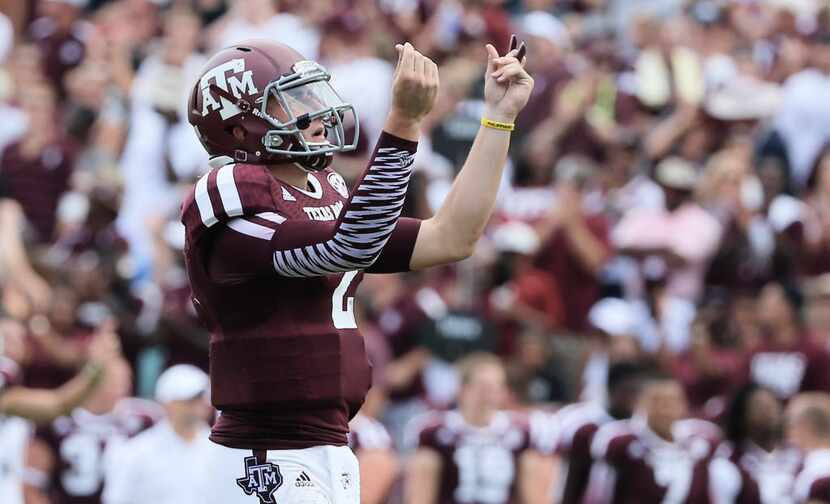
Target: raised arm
[(41, 406), (357, 238), (452, 233)]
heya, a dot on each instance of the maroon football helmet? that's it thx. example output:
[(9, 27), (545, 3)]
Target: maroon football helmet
[(273, 93)]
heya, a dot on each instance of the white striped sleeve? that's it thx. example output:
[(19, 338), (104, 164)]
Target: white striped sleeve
[(367, 222)]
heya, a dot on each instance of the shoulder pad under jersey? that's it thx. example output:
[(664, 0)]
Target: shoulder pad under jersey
[(225, 193)]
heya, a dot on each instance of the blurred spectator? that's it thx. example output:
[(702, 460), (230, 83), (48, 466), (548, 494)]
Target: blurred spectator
[(249, 19), (815, 243), (534, 372), (574, 241), (645, 233), (38, 163), (808, 428), (16, 273), (522, 295), (548, 43), (620, 334), (358, 73), (402, 320), (801, 121), (161, 148), (140, 475), (787, 360), (732, 192), (711, 368), (60, 34), (817, 309)]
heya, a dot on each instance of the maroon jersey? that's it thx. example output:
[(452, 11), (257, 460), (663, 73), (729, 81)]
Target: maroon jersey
[(788, 370), (274, 269), (770, 476), (479, 464), (813, 482), (80, 443), (38, 184), (578, 423), (638, 466), (368, 434)]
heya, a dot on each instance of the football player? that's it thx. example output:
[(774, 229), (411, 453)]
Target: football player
[(66, 460), (763, 467), (656, 456), (38, 405), (276, 245), (578, 423), (477, 453)]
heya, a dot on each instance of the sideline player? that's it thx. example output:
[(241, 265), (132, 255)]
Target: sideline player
[(18, 403), (476, 453), (276, 246), (66, 460)]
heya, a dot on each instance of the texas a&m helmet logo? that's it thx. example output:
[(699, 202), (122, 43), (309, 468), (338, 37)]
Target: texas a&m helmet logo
[(260, 479), (238, 82)]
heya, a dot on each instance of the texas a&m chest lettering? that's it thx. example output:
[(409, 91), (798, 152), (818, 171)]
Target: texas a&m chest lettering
[(324, 213)]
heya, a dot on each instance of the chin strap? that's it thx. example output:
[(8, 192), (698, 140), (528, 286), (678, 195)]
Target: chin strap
[(311, 164)]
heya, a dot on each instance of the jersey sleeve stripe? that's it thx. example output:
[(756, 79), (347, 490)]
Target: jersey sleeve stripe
[(228, 191), (248, 228), (271, 216), (203, 202)]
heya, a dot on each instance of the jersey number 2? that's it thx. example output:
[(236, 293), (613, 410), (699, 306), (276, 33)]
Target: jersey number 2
[(343, 318)]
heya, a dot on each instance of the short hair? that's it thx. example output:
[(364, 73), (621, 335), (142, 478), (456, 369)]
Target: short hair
[(737, 409), (469, 364), (624, 372), (813, 411)]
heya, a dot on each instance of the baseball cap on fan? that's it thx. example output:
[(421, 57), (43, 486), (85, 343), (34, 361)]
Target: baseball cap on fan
[(181, 382), (676, 173), (546, 26), (78, 4)]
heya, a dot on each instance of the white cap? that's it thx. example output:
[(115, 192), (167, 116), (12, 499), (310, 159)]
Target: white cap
[(80, 4), (544, 25), (614, 316), (744, 99), (181, 382), (515, 236), (677, 173)]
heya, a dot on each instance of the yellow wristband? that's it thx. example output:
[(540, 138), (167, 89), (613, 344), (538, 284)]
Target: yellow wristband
[(487, 123)]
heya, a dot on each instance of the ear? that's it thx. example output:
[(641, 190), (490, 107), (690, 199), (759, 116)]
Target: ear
[(239, 133)]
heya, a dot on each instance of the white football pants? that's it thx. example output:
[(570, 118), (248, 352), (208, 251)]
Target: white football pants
[(317, 475)]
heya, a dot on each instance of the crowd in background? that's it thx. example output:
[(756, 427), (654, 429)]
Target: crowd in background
[(661, 244)]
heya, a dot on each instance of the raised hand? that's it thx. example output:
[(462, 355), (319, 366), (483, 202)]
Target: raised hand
[(414, 85), (507, 84), (105, 344)]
